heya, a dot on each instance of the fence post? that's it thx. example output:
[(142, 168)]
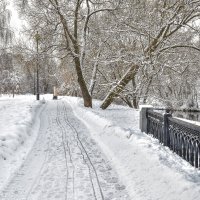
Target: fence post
[(166, 129), (143, 117)]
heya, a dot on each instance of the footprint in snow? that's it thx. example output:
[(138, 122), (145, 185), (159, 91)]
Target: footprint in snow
[(120, 187)]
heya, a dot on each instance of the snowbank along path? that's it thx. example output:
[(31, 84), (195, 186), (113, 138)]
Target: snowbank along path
[(64, 163)]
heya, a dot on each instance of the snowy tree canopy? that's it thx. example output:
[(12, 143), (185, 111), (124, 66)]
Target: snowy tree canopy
[(93, 44)]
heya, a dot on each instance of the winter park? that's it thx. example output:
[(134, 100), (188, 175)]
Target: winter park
[(99, 100)]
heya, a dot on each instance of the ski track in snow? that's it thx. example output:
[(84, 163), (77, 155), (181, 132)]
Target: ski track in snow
[(65, 163)]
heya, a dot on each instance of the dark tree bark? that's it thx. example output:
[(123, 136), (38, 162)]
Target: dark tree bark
[(85, 93), (72, 37)]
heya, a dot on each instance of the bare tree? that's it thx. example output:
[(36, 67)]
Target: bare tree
[(5, 31), (155, 24), (67, 21)]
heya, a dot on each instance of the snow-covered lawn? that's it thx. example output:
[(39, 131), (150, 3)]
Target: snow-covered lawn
[(147, 169), (18, 130)]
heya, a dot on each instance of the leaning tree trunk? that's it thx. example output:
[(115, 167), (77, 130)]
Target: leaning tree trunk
[(115, 91)]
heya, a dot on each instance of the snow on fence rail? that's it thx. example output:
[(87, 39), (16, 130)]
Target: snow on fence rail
[(180, 136)]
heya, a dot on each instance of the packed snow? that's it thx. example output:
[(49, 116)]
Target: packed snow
[(118, 161)]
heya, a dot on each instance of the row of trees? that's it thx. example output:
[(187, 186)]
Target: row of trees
[(133, 51), (5, 38), (18, 61)]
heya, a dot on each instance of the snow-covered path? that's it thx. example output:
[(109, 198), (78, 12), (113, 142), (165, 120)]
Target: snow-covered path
[(64, 163)]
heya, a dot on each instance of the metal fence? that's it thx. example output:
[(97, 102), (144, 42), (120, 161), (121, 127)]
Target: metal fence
[(180, 136)]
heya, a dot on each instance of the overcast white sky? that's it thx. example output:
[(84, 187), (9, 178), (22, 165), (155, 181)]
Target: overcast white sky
[(16, 23)]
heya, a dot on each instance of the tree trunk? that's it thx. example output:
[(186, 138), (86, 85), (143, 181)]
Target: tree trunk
[(85, 93), (93, 80), (94, 73), (135, 99), (115, 91)]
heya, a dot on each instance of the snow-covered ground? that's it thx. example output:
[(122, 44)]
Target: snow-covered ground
[(18, 130), (148, 170)]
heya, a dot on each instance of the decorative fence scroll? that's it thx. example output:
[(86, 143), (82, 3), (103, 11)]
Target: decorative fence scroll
[(180, 136), (155, 125)]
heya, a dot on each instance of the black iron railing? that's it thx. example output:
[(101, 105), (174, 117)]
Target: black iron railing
[(155, 125), (180, 136)]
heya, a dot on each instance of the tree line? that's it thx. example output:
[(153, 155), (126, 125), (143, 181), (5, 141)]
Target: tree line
[(133, 51)]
